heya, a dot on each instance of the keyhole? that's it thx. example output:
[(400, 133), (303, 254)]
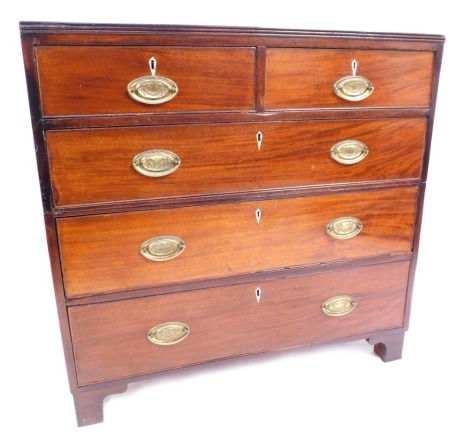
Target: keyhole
[(258, 294), (258, 216), (354, 67), (259, 139), (153, 66)]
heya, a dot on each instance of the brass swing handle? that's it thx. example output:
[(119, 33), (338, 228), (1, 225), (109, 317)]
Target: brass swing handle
[(344, 228), (167, 334), (162, 248), (353, 88), (339, 305), (152, 89), (349, 152), (156, 163)]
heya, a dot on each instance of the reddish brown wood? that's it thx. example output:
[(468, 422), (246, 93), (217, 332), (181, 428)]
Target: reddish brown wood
[(232, 197), (240, 279), (304, 78), (381, 266), (101, 253), (89, 404), (84, 34), (54, 256), (111, 338), (416, 241), (435, 84), (34, 101), (93, 80), (260, 78), (226, 159), (389, 346), (101, 121)]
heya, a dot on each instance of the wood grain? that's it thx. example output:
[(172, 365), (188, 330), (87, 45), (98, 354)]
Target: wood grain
[(101, 253), (234, 80), (89, 404), (94, 166), (93, 80), (124, 34), (304, 78), (156, 119), (110, 339), (388, 347)]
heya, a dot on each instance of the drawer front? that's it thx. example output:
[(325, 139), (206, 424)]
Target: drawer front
[(227, 158), (103, 253), (304, 78), (93, 80), (110, 339)]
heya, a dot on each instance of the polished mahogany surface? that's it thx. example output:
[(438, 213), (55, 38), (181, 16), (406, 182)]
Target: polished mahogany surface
[(95, 165), (96, 78), (102, 253), (110, 339), (294, 79), (256, 193)]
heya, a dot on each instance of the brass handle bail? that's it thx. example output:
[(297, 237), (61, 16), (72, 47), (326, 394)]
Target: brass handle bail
[(156, 163), (339, 305), (162, 248), (349, 152), (344, 228), (353, 88), (167, 334), (152, 89)]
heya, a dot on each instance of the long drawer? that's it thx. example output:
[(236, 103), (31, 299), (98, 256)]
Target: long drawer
[(91, 80), (111, 339), (305, 78), (97, 165), (108, 253)]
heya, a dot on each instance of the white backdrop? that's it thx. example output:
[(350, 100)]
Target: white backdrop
[(331, 394)]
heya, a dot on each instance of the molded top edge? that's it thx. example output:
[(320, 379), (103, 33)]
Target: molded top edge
[(27, 27)]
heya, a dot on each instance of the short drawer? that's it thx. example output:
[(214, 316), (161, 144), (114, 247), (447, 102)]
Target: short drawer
[(106, 253), (305, 78), (103, 165), (93, 80), (110, 339)]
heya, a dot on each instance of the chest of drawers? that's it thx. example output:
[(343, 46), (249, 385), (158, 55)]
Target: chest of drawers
[(218, 192)]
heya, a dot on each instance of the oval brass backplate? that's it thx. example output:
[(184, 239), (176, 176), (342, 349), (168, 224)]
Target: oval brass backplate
[(339, 305), (344, 228), (152, 90), (156, 163), (163, 248), (353, 88), (349, 152), (169, 333)]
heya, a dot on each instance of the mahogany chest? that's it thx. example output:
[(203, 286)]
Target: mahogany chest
[(218, 192)]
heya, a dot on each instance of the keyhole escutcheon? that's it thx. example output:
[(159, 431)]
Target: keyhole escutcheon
[(153, 66), (259, 139), (258, 294), (258, 216)]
